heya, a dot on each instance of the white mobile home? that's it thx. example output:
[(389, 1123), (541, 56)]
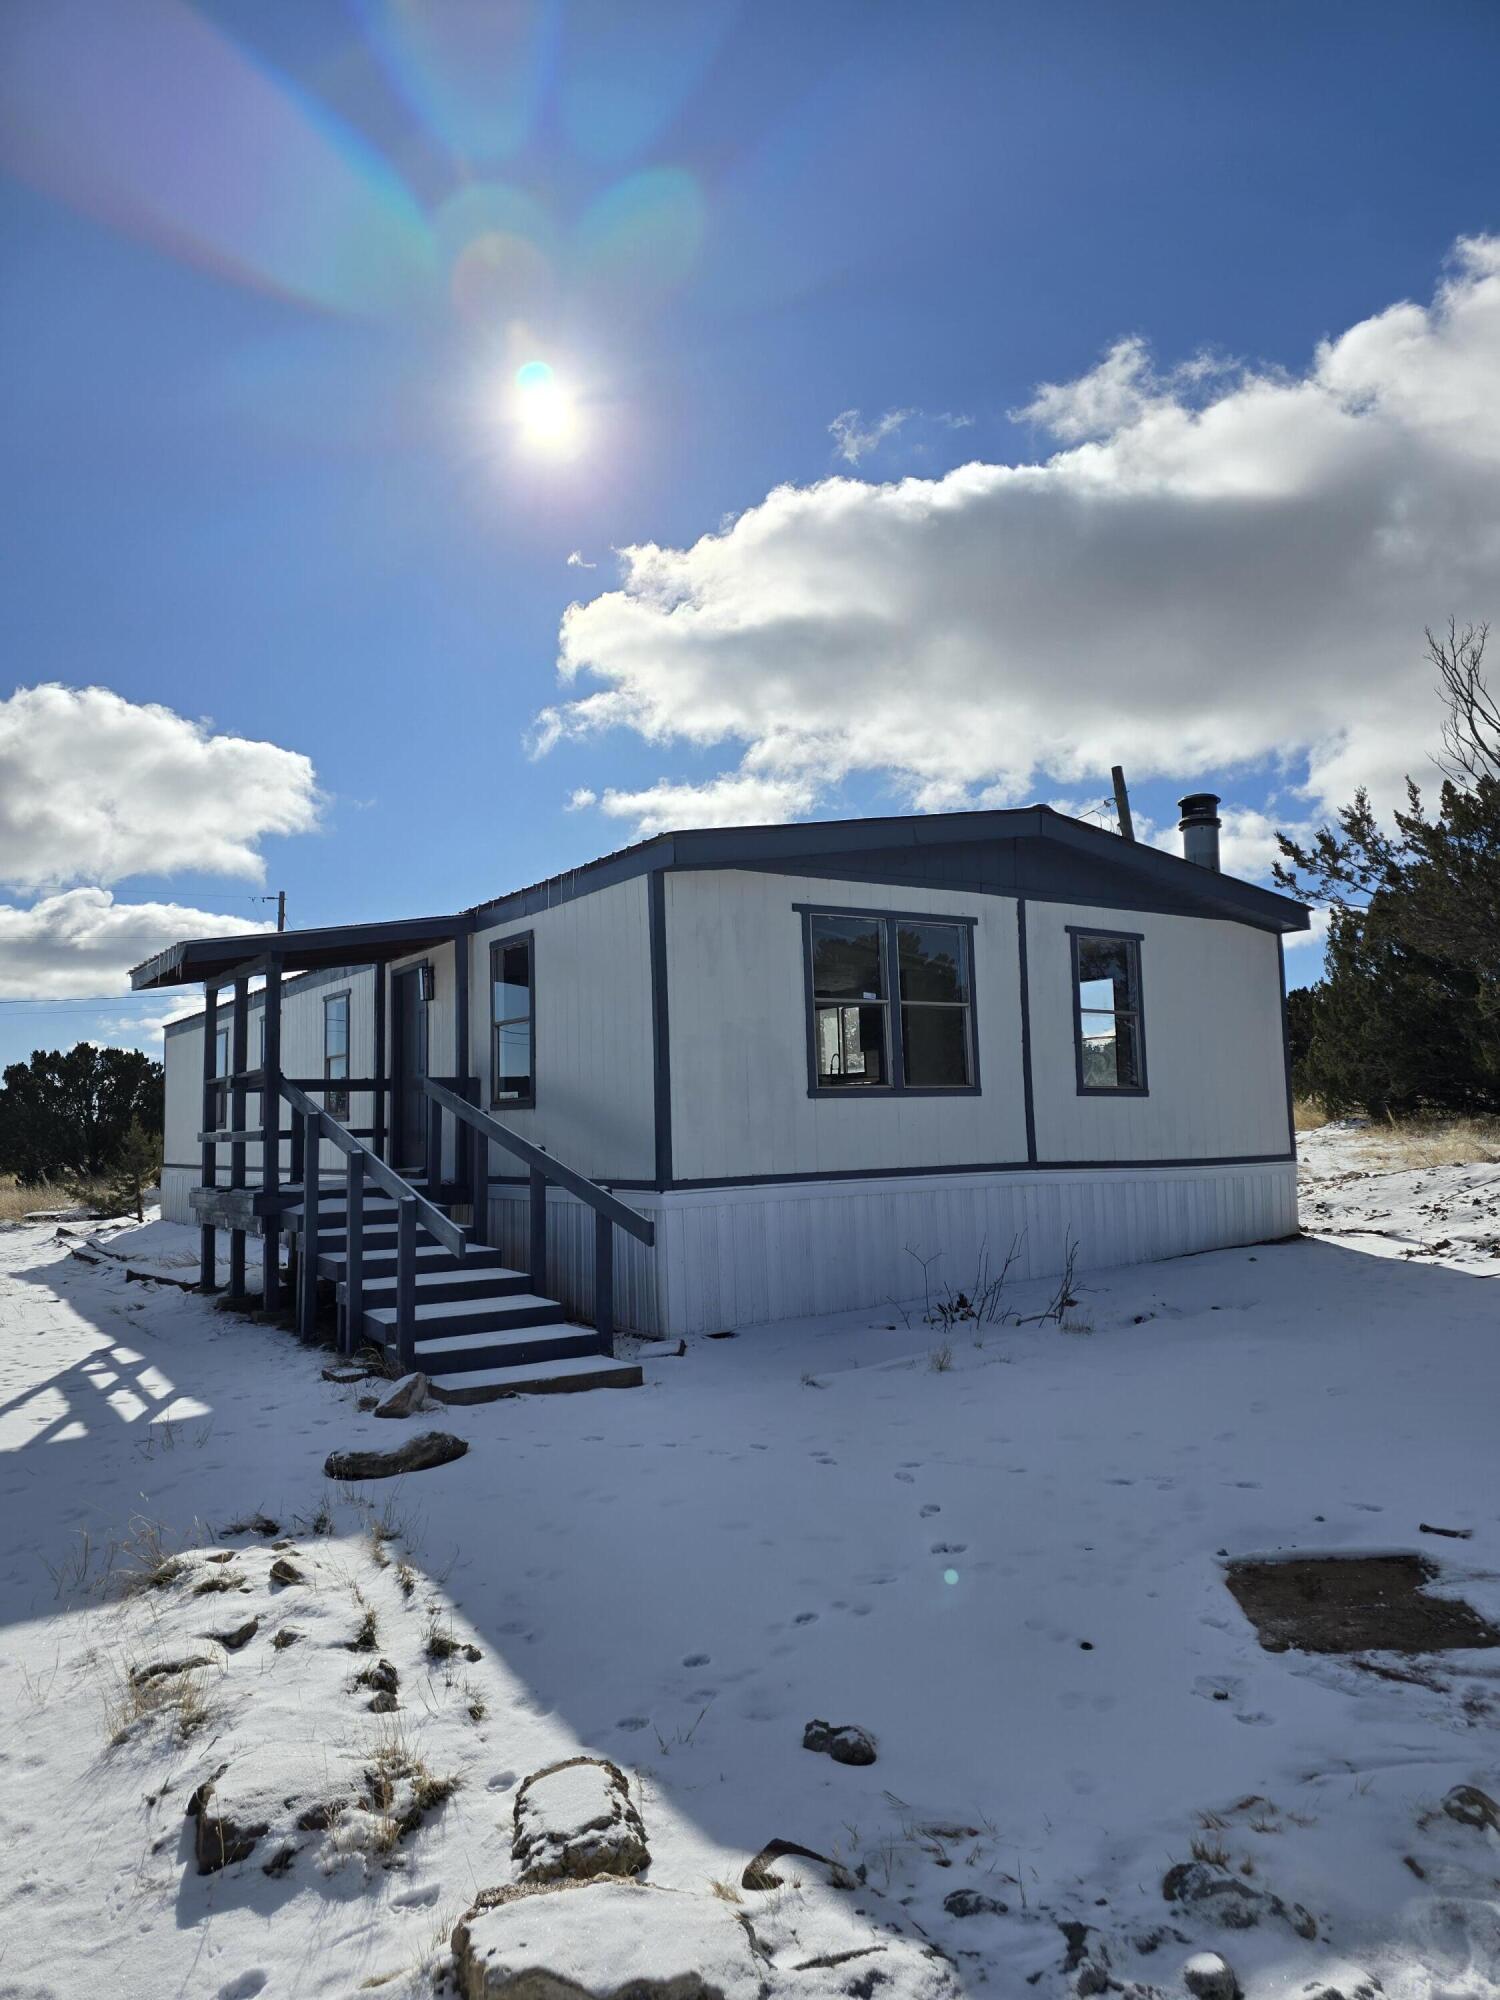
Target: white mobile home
[(770, 1064)]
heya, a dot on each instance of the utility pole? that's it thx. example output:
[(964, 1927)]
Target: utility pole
[(281, 909), (1122, 802)]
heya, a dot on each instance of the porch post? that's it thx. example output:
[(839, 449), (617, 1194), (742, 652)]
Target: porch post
[(208, 1173), (460, 1055), (381, 1070), (270, 1143), (239, 1043)]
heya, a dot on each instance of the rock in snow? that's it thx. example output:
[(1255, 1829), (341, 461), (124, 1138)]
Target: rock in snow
[(1225, 1899), (844, 1742), (1209, 1977), (1472, 1807), (577, 1819), (970, 1903), (614, 1937), (411, 1394), (416, 1455)]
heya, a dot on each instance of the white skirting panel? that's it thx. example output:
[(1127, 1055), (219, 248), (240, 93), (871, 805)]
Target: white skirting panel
[(735, 1257), (176, 1184)]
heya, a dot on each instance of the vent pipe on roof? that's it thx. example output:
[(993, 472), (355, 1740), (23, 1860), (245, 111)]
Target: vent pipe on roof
[(1199, 827)]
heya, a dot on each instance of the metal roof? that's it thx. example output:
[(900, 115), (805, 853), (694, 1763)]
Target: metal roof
[(1028, 850)]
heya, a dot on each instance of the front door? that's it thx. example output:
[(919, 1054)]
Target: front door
[(409, 1050)]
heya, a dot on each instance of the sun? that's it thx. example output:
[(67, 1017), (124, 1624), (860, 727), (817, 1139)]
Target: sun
[(544, 411)]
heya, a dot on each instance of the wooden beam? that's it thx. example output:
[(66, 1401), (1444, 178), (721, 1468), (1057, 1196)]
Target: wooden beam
[(239, 1047), (208, 1172), (381, 1064), (270, 1148)]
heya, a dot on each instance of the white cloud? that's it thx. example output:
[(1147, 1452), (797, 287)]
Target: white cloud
[(738, 799), (854, 439), (1224, 567), (576, 561), (95, 788), (81, 942), (580, 799)]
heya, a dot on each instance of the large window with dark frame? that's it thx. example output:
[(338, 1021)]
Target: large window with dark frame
[(1108, 1025), (892, 1003), (336, 1054), (512, 1022)]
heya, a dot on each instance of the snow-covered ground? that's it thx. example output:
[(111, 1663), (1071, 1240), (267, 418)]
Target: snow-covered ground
[(997, 1549)]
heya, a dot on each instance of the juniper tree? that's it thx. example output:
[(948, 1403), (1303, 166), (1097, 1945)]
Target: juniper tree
[(1408, 1010)]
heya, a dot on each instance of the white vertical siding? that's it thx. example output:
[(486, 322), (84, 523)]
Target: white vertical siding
[(742, 1257), (738, 1014), (594, 1050), (1211, 994)]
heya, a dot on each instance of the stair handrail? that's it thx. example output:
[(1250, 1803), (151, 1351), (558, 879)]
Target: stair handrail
[(363, 1163), (610, 1213), (443, 1227)]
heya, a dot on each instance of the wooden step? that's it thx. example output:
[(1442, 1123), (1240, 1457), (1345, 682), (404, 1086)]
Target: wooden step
[(574, 1372), (463, 1353), (381, 1261), (459, 1281), (449, 1322)]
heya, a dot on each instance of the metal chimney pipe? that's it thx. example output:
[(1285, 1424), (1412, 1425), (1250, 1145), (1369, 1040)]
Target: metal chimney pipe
[(1199, 827)]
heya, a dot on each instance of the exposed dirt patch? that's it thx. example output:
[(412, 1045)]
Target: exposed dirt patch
[(1353, 1604)]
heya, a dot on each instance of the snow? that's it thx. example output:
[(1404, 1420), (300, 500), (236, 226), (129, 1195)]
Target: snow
[(1008, 1570)]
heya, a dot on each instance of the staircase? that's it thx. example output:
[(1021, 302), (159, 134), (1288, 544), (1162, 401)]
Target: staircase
[(481, 1330)]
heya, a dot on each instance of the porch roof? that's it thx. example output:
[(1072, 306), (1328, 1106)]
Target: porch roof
[(211, 961)]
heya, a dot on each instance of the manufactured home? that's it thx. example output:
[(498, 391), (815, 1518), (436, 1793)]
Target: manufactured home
[(736, 1075)]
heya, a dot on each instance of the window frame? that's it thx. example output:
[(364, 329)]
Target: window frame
[(890, 922), (331, 1090), (497, 945), (1133, 940), (221, 1079)]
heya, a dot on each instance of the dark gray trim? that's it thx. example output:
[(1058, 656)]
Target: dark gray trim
[(517, 1182), (1025, 984), (1286, 1052), (982, 1167), (1134, 939), (899, 916), (397, 1079), (527, 1103), (1006, 845), (204, 959), (896, 1052), (661, 1030)]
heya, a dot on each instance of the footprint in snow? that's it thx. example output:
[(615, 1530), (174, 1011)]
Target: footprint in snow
[(930, 1509), (245, 1987), (907, 1478), (949, 1548), (805, 1618), (418, 1899), (500, 1782), (632, 1722), (696, 1660)]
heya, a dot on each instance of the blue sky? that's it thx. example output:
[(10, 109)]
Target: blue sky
[(271, 271)]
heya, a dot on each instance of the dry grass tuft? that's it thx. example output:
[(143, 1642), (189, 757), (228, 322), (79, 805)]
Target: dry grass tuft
[(1430, 1141), (182, 1698), (17, 1202), (1308, 1114)]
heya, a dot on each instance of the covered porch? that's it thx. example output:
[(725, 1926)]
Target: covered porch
[(397, 1231)]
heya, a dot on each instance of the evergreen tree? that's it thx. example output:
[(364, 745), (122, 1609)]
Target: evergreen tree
[(1407, 1013), (68, 1112), (136, 1167)]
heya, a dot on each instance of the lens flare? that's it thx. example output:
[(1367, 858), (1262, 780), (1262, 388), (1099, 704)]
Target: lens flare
[(545, 413), (950, 1576)]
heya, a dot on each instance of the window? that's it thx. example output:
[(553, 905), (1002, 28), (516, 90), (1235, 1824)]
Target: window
[(221, 1089), (1107, 1013), (336, 1054), (512, 1037), (860, 1039)]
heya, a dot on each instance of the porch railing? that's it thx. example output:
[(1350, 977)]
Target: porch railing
[(610, 1213), (312, 1123)]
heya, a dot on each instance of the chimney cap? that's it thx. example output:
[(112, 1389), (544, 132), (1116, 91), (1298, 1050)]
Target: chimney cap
[(1199, 809)]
